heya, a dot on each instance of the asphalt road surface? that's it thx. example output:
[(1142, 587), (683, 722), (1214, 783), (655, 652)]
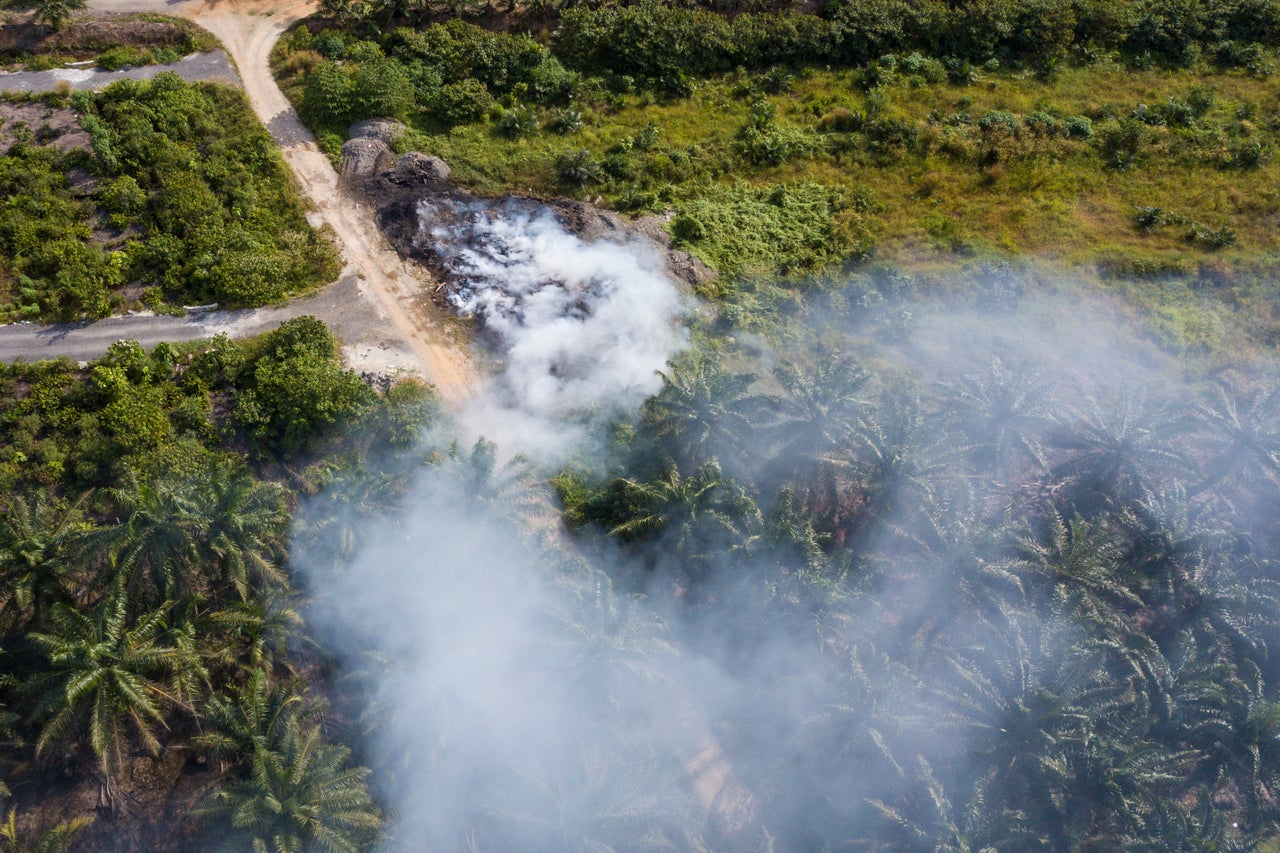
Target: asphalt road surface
[(213, 66)]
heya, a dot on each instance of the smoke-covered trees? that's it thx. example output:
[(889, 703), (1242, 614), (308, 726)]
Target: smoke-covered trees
[(1033, 605)]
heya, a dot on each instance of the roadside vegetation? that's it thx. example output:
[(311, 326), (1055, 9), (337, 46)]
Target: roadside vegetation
[(177, 196)]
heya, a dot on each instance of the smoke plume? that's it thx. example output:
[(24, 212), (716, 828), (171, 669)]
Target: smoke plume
[(577, 330)]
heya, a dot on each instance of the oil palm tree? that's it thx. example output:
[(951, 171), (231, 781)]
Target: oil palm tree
[(251, 717), (1225, 713), (820, 408), (927, 818), (1013, 696), (57, 839), (108, 681), (240, 523), (153, 546), (1115, 451), (1242, 431), (1002, 417), (895, 455), (699, 517), (1105, 789), (944, 556), (702, 410), (330, 526), (1074, 566), (37, 549), (615, 646), (299, 794)]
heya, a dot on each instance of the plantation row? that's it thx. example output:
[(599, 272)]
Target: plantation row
[(666, 44)]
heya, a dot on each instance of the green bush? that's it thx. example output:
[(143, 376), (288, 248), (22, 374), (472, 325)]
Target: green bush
[(296, 388), (329, 95), (383, 88), (462, 102)]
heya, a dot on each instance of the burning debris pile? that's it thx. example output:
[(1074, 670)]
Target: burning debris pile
[(577, 309)]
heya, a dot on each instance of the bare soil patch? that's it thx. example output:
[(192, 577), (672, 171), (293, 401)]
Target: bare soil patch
[(49, 125)]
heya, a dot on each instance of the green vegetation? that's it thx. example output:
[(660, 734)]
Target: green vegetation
[(144, 603), (920, 147), (188, 199)]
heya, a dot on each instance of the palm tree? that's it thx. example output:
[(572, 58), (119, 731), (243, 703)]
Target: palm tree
[(56, 13), (510, 487), (1107, 788), (108, 681), (153, 548), (702, 410), (943, 562), (57, 839), (1243, 433), (1116, 452), (296, 795), (928, 819), (246, 635), (1074, 566), (1223, 712), (240, 523), (819, 410), (1014, 696), (331, 525), (614, 644), (699, 517), (603, 799), (1002, 417), (893, 455), (36, 557), (250, 718)]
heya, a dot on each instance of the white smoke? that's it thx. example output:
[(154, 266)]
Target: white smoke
[(579, 329)]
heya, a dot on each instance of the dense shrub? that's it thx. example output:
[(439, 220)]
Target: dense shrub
[(296, 387), (463, 101)]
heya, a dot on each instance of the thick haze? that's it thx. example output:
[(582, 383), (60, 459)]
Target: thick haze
[(519, 702)]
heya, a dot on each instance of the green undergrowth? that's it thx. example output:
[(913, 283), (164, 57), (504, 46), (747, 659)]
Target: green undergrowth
[(283, 395)]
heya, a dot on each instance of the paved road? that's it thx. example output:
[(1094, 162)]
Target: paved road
[(213, 66), (87, 341)]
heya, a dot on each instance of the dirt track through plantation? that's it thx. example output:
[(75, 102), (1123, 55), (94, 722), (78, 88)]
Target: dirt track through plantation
[(248, 31)]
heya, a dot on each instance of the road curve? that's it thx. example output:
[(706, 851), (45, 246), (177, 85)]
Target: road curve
[(386, 292)]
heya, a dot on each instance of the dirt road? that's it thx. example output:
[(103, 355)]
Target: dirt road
[(395, 289)]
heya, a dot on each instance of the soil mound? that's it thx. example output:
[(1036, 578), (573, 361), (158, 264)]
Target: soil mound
[(363, 156), (383, 129)]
